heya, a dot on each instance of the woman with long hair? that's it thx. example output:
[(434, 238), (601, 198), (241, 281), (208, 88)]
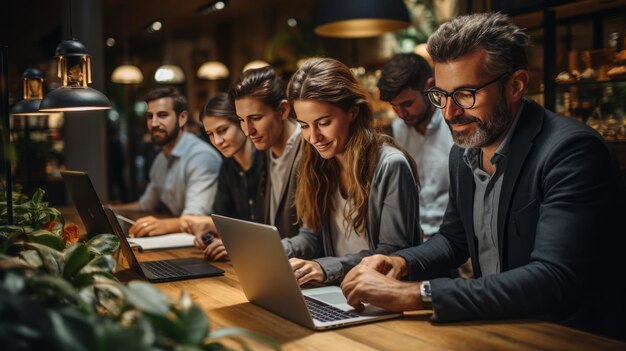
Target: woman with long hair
[(238, 188), (357, 192)]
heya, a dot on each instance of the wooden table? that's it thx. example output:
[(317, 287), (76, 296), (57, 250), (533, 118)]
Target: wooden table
[(225, 303)]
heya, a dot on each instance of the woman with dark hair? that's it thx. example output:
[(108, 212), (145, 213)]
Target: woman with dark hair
[(261, 104), (357, 191), (238, 189)]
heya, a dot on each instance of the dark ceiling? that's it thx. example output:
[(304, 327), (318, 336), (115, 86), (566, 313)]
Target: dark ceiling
[(32, 29)]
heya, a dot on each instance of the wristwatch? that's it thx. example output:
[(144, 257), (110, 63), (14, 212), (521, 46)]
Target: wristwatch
[(427, 294)]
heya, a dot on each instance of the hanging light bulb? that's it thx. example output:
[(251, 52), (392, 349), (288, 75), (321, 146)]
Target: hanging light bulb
[(255, 64), (213, 70), (169, 74), (74, 69), (33, 93), (127, 74)]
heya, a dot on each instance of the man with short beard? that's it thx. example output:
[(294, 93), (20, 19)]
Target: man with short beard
[(421, 131), (183, 177), (535, 201)]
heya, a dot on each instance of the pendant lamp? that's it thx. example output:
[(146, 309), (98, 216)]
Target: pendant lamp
[(74, 69), (255, 64), (169, 74), (33, 93), (351, 19), (127, 74), (213, 70)]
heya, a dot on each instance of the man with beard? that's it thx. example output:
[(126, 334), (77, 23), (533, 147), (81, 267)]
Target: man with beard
[(183, 177), (421, 131), (535, 200)]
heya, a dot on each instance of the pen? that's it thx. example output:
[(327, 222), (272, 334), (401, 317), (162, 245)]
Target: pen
[(127, 220)]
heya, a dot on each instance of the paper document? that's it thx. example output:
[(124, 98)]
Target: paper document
[(167, 241)]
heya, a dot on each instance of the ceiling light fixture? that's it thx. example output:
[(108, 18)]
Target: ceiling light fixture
[(33, 93), (74, 69), (360, 18), (212, 7), (255, 64), (213, 70)]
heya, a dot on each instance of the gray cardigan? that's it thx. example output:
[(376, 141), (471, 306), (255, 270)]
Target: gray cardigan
[(392, 220)]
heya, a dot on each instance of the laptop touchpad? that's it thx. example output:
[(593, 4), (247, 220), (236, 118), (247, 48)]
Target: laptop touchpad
[(333, 298)]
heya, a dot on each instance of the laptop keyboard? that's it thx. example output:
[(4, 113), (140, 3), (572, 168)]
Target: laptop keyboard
[(164, 269), (326, 313)]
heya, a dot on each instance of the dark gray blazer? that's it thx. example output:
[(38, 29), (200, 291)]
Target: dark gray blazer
[(558, 229), (286, 219)]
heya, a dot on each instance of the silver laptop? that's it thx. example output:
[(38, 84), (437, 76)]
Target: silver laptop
[(268, 281)]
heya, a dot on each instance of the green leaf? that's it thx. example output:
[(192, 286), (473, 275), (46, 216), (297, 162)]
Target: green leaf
[(104, 244), (237, 332), (104, 264), (9, 239), (73, 331), (76, 257), (37, 196), (47, 238), (108, 296), (196, 324), (147, 298), (82, 280), (32, 258), (52, 259), (55, 290), (113, 335), (168, 326)]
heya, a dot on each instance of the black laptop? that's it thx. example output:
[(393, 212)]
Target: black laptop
[(86, 202), (165, 270)]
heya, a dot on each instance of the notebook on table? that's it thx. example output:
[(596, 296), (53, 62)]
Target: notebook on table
[(267, 279), (91, 212), (164, 270)]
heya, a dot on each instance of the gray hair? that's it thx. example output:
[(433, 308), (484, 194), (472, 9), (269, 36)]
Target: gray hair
[(504, 42)]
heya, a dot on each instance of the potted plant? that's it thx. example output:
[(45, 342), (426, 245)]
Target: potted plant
[(57, 293)]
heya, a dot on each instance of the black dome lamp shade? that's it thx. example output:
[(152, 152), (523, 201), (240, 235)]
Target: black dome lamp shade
[(74, 69), (360, 18), (33, 93)]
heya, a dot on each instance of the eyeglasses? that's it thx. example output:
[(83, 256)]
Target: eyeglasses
[(463, 97)]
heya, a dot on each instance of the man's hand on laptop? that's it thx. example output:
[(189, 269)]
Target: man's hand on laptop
[(152, 226), (364, 284), (306, 271)]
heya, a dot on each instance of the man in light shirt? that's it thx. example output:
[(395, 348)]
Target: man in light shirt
[(183, 177), (420, 130)]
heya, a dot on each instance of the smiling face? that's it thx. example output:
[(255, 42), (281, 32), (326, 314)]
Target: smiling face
[(490, 117), (225, 135), (324, 125), (412, 107), (262, 124), (162, 122)]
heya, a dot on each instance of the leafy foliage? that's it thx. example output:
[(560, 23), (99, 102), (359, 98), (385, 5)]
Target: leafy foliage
[(58, 295)]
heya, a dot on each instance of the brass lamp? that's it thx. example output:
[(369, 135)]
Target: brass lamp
[(74, 69), (33, 93)]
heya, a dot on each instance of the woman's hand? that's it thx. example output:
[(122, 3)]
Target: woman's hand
[(215, 251), (198, 226), (306, 271)]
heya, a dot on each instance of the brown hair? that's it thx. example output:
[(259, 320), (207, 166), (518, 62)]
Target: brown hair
[(328, 80), (220, 106), (262, 84), (179, 102)]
